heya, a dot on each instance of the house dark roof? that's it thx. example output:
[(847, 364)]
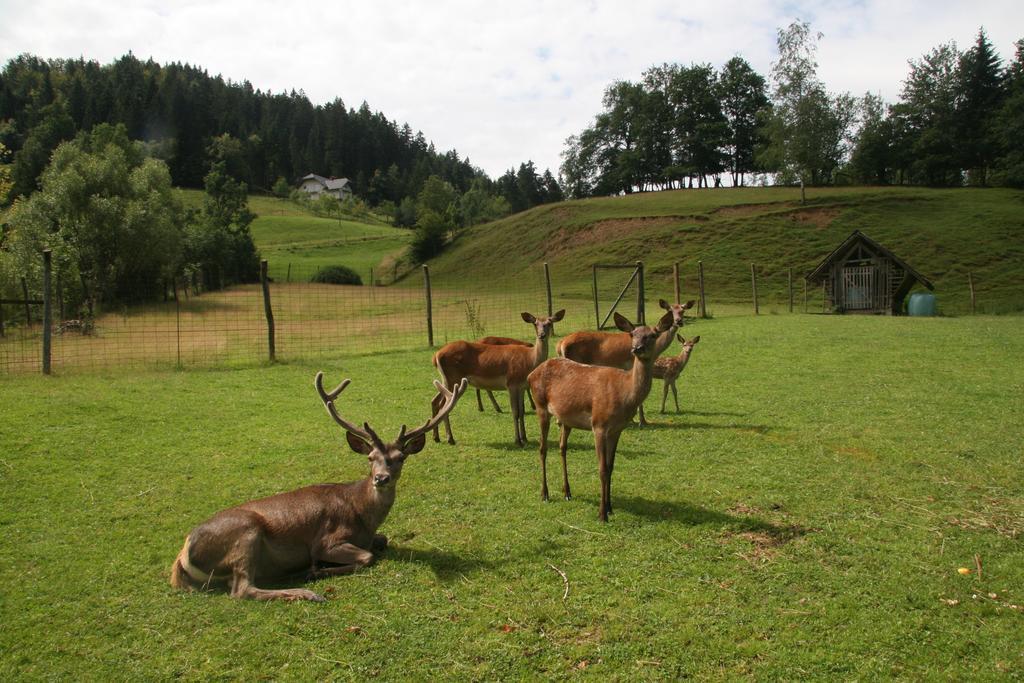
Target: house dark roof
[(329, 183), (821, 271)]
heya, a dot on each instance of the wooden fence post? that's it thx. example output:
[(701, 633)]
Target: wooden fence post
[(288, 278), (805, 295), (675, 279), (547, 282), (970, 283), (430, 310), (641, 312), (2, 333), (700, 286), (753, 285), (28, 311), (597, 314), (268, 310), (47, 312)]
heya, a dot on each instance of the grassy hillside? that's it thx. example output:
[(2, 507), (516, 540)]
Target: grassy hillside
[(287, 234), (942, 233)]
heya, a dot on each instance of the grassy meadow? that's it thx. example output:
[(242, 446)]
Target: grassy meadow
[(944, 234), (805, 516)]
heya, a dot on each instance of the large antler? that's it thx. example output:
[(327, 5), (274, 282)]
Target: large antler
[(450, 399), (328, 399)]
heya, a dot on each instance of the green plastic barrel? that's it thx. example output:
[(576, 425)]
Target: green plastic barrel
[(921, 304)]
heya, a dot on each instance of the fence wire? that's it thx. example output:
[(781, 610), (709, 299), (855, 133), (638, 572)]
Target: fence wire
[(193, 328)]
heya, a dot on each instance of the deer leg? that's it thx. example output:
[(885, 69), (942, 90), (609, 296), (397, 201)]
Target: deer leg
[(244, 570), (563, 443), (479, 402), (522, 414), (664, 395), (494, 401), (533, 406), (516, 401), (643, 419), (380, 542), (611, 446), (602, 470), (345, 558), (675, 395), (544, 417), (435, 406)]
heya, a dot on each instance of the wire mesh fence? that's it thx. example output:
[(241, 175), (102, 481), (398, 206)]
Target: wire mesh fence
[(222, 327)]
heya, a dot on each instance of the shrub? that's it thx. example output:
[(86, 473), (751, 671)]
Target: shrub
[(337, 275)]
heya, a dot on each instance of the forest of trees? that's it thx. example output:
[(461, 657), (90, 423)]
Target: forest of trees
[(178, 111), (959, 121)]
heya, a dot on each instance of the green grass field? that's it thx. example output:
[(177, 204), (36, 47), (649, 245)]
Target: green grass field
[(804, 517)]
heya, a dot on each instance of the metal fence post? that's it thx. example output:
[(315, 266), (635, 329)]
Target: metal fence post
[(641, 313), (790, 290), (430, 308), (597, 314), (47, 312), (675, 279), (753, 285), (700, 286), (547, 281), (267, 309)]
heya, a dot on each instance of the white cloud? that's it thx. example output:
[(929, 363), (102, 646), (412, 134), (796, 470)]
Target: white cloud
[(501, 83)]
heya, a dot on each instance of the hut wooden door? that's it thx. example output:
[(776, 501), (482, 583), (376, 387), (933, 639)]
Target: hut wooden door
[(858, 287)]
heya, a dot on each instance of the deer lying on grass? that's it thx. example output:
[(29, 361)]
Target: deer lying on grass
[(500, 341), (612, 349), (668, 369), (488, 366), (327, 529), (599, 399)]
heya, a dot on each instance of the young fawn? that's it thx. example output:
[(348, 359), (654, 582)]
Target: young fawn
[(600, 399), (324, 530), (668, 368)]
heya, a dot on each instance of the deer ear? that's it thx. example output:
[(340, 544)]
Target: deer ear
[(689, 304), (664, 304), (695, 339), (681, 340), (528, 317), (622, 323), (558, 316), (415, 444), (357, 444), (665, 323)]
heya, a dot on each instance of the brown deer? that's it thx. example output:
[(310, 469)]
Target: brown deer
[(499, 341), (668, 369), (596, 398), (327, 529), (488, 366), (614, 350)]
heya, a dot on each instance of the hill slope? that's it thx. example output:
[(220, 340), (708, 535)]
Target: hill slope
[(942, 233)]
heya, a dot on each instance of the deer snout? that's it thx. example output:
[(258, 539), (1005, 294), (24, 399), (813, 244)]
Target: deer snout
[(381, 479)]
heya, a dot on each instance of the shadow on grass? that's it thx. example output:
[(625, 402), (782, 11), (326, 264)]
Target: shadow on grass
[(694, 515), (760, 429), (445, 565)]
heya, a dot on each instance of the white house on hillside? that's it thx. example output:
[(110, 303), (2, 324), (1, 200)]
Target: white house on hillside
[(315, 185)]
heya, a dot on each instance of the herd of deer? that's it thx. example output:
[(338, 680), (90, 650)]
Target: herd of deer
[(598, 382)]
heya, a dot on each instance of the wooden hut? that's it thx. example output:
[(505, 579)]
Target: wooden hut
[(862, 276)]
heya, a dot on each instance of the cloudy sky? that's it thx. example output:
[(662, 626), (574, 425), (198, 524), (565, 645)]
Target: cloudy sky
[(499, 82)]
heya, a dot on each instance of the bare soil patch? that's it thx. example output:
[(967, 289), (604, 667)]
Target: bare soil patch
[(568, 239)]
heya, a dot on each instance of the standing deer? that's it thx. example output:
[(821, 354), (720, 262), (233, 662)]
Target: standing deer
[(499, 341), (487, 366), (614, 350), (668, 369), (596, 398), (327, 529)]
